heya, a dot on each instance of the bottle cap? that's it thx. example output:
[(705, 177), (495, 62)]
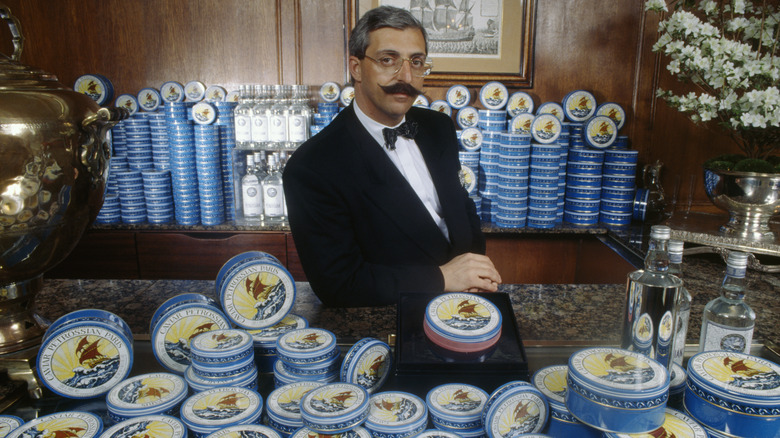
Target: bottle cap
[(660, 232), (676, 246), (737, 258)]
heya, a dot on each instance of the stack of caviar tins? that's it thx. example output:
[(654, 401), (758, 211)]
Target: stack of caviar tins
[(265, 340), (147, 394), (327, 108), (576, 135), (255, 290), (469, 169), (131, 196), (676, 424), (513, 169), (148, 425), (158, 195), (111, 210), (181, 140), (96, 87), (218, 408), (617, 198), (518, 404), (494, 121), (83, 354), (138, 138), (543, 185), (223, 357), (282, 408), (209, 170), (396, 414), (307, 354), (551, 381), (583, 186), (334, 408), (368, 363), (734, 394), (489, 174), (677, 386), (149, 99), (616, 390), (118, 140), (227, 142), (87, 424), (158, 126), (176, 322), (462, 322), (457, 408)]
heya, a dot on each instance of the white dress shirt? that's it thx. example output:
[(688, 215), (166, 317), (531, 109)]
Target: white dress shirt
[(409, 161)]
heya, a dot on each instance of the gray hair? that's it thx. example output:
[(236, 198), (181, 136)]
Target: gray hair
[(377, 18)]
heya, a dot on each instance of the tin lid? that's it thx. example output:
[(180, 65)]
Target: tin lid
[(61, 423), (9, 423), (471, 139), (96, 87), (614, 112), (546, 128), (221, 407), (204, 113), (579, 105), (468, 178), (347, 94), (442, 107), (245, 431), (172, 91), (519, 102), (618, 373), (458, 96), (456, 402), (258, 294), (421, 101), (518, 404), (551, 381), (283, 403), (329, 91), (235, 262), (368, 363), (158, 426), (676, 424), (149, 99), (334, 407), (87, 315), (128, 102), (467, 117), (221, 343), (215, 93), (493, 95), (266, 337), (176, 301), (396, 412), (85, 359), (600, 132), (736, 377), (194, 91), (146, 394), (244, 379), (463, 317), (521, 123), (553, 108), (304, 344)]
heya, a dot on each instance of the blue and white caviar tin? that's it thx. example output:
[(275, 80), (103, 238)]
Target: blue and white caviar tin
[(8, 423), (614, 111), (330, 91), (215, 93), (96, 87), (553, 108), (551, 381), (734, 393), (149, 99), (87, 424), (458, 96), (307, 346), (147, 394), (521, 123), (422, 102), (368, 363), (220, 349), (222, 407), (513, 409), (579, 106), (493, 95), (468, 178), (519, 102), (600, 132), (177, 301), (244, 378), (676, 424), (283, 377), (462, 322), (334, 408), (546, 128), (396, 414), (467, 117), (265, 340), (358, 432), (128, 102), (442, 107), (471, 139), (194, 91), (90, 315), (457, 407), (172, 91), (157, 426), (283, 410), (346, 96), (245, 431), (617, 390), (204, 113), (437, 433)]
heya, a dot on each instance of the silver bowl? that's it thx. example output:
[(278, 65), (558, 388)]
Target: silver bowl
[(750, 198)]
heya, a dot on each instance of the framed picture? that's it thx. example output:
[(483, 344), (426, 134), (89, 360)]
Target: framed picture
[(471, 42)]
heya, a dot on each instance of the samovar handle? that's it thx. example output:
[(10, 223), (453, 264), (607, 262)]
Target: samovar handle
[(16, 32)]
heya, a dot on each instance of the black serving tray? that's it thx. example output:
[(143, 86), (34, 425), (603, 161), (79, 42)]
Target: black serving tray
[(421, 365)]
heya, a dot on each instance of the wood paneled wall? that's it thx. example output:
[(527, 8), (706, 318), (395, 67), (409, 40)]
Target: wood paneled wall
[(601, 46)]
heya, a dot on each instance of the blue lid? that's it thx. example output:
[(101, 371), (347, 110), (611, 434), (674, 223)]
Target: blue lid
[(546, 128), (61, 423), (215, 93), (579, 105), (172, 91), (456, 402), (463, 317), (266, 337), (553, 108), (147, 394), (346, 96), (224, 345), (9, 423), (467, 117), (458, 96), (737, 379), (330, 91), (471, 139), (515, 403), (551, 381), (86, 315), (204, 113), (519, 102), (194, 91), (221, 407), (149, 99), (614, 111), (600, 132), (521, 123), (421, 101), (283, 403), (618, 374), (396, 412), (257, 294), (128, 102), (368, 363), (160, 426), (493, 95), (442, 107), (335, 407), (306, 345), (96, 87)]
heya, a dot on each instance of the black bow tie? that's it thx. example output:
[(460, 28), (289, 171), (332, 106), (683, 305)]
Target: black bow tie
[(407, 129)]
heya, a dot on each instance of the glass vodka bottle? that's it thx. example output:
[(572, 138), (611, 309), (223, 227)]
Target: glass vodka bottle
[(273, 193), (260, 112), (684, 309), (243, 117), (261, 166), (251, 192), (652, 296), (299, 118), (727, 321), (277, 120)]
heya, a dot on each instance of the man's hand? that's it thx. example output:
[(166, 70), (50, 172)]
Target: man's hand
[(470, 273)]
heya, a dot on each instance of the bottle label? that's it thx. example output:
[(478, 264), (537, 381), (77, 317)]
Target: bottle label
[(735, 271), (720, 337), (297, 128), (273, 200), (277, 129), (252, 198), (259, 128), (243, 128)]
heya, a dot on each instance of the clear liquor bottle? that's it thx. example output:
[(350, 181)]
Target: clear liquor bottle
[(260, 111), (299, 117), (277, 120), (251, 192), (273, 193), (676, 248), (261, 166), (243, 117), (727, 321), (652, 295)]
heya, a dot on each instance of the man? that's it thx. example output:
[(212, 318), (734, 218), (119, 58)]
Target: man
[(373, 216)]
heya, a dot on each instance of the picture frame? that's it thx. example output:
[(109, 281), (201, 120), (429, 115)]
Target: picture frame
[(471, 42)]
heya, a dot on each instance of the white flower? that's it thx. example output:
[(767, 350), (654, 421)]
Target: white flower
[(656, 6)]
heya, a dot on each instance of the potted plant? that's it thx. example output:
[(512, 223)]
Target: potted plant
[(730, 51)]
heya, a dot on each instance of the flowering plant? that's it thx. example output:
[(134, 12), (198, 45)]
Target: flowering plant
[(729, 49)]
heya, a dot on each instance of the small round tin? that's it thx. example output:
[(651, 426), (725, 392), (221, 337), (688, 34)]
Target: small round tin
[(734, 393), (515, 408), (257, 293), (458, 96), (306, 346), (172, 91), (468, 178), (368, 363), (551, 381), (8, 423), (467, 117), (396, 414), (179, 300), (147, 394), (245, 431), (579, 105), (493, 95), (521, 123), (217, 408), (158, 426), (65, 423), (334, 408), (283, 405), (600, 132), (421, 101), (246, 378), (462, 322), (266, 337), (471, 139), (617, 390), (215, 93), (204, 113), (442, 107), (128, 102), (553, 108), (96, 87), (519, 102), (347, 94), (676, 424), (456, 406), (330, 91), (358, 432), (677, 386), (149, 99), (614, 112), (219, 347), (88, 315), (194, 91), (546, 128)]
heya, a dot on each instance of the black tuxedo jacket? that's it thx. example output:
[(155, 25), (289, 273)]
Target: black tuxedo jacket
[(361, 232)]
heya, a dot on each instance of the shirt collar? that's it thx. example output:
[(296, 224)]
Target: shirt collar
[(372, 126)]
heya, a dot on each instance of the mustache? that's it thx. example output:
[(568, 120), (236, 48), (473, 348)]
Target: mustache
[(401, 88)]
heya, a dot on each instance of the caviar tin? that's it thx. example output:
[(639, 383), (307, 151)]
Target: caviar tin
[(551, 381), (437, 433), (215, 93), (87, 424), (579, 105), (158, 426), (347, 94), (245, 431), (96, 87), (493, 95), (518, 103), (467, 117), (617, 390), (515, 408), (244, 379), (546, 128), (194, 91), (128, 102), (204, 113), (307, 346), (149, 99), (172, 91), (235, 263), (600, 132), (368, 363), (614, 112), (456, 407), (84, 359), (217, 408), (677, 386), (468, 178), (462, 322), (441, 106), (458, 96), (8, 423), (178, 300), (147, 394), (471, 139), (676, 424), (90, 315), (396, 414), (628, 156), (283, 377), (221, 348), (329, 92), (358, 432), (334, 408), (553, 108), (265, 338), (521, 123), (174, 330), (734, 393), (283, 411)]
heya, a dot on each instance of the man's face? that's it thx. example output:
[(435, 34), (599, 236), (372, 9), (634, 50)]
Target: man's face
[(369, 76)]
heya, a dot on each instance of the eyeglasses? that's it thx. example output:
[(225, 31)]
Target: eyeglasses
[(392, 64)]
